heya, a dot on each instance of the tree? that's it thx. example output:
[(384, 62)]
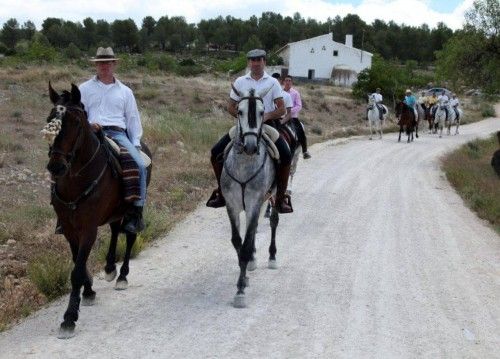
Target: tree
[(471, 56), (10, 33), (125, 34), (485, 17)]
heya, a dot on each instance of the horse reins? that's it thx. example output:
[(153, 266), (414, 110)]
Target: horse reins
[(69, 158), (243, 184)]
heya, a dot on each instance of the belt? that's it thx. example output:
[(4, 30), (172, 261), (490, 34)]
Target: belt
[(113, 128)]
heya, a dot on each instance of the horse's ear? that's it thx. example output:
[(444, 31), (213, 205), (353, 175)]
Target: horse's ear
[(75, 94), (54, 96)]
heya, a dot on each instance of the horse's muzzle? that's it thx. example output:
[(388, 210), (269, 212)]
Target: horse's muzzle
[(250, 144)]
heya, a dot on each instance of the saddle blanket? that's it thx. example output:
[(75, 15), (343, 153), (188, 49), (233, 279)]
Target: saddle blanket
[(269, 134), (129, 170)]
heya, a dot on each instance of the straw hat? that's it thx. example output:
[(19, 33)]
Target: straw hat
[(104, 54)]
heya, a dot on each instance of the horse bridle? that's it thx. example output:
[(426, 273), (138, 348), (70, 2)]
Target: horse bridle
[(70, 156), (258, 135)]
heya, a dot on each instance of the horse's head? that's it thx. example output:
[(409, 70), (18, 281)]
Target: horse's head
[(250, 119), (371, 101), (399, 108), (64, 129)]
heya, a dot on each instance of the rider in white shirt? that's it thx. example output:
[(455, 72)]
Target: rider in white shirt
[(443, 100), (287, 99), (377, 96), (454, 103)]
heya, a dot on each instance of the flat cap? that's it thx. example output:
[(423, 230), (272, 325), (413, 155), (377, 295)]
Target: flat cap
[(256, 53)]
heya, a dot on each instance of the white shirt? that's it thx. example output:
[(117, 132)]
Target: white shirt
[(287, 99), (443, 99), (377, 97), (246, 82), (112, 105), (454, 102)]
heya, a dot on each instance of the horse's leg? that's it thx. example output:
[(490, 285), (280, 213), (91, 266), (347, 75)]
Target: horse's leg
[(371, 131), (121, 282), (400, 130), (267, 214), (78, 276), (416, 130), (88, 295), (246, 254), (272, 247), (110, 267)]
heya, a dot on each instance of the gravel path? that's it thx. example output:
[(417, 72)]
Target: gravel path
[(380, 259)]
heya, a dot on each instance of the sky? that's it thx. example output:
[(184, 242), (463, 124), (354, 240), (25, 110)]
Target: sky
[(409, 12)]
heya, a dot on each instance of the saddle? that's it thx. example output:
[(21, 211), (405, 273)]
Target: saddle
[(116, 151), (269, 134)]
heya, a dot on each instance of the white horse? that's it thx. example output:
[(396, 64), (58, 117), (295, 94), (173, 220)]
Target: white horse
[(453, 119), (247, 179), (440, 117), (374, 116)]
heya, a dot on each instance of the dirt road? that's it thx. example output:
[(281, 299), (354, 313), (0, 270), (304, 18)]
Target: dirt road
[(380, 259)]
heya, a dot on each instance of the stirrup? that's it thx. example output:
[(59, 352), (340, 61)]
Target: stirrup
[(286, 200)]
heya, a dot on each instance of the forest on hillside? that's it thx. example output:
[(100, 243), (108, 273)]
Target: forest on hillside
[(468, 56)]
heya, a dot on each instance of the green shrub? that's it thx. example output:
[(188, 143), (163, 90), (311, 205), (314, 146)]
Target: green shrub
[(72, 51), (166, 63), (189, 70), (487, 110), (50, 274)]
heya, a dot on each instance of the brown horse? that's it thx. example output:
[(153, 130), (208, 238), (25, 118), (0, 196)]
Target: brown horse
[(86, 193), (407, 121), (428, 116)]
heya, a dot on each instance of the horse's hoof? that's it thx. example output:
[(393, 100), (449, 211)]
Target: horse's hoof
[(272, 264), (66, 331), (370, 138), (121, 284), (252, 265), (89, 300), (109, 277), (239, 301)]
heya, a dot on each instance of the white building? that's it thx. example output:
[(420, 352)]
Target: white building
[(321, 58)]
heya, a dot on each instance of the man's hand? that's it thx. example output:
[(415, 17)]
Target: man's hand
[(95, 127)]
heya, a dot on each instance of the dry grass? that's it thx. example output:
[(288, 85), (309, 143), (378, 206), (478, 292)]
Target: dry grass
[(182, 118), (469, 170)]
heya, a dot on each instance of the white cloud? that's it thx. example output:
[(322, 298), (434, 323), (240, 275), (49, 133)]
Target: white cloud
[(410, 12)]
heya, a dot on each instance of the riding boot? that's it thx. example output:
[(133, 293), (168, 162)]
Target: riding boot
[(283, 202), (59, 229), (132, 221), (216, 200)]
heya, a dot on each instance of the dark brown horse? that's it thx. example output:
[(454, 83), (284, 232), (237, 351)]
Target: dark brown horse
[(428, 116), (407, 121), (86, 193)]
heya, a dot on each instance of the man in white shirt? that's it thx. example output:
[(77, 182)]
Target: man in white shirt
[(274, 109), (287, 100), (443, 100), (454, 103), (377, 97), (111, 106)]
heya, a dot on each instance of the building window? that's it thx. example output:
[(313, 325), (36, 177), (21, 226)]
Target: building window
[(323, 48), (312, 50), (335, 52)]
